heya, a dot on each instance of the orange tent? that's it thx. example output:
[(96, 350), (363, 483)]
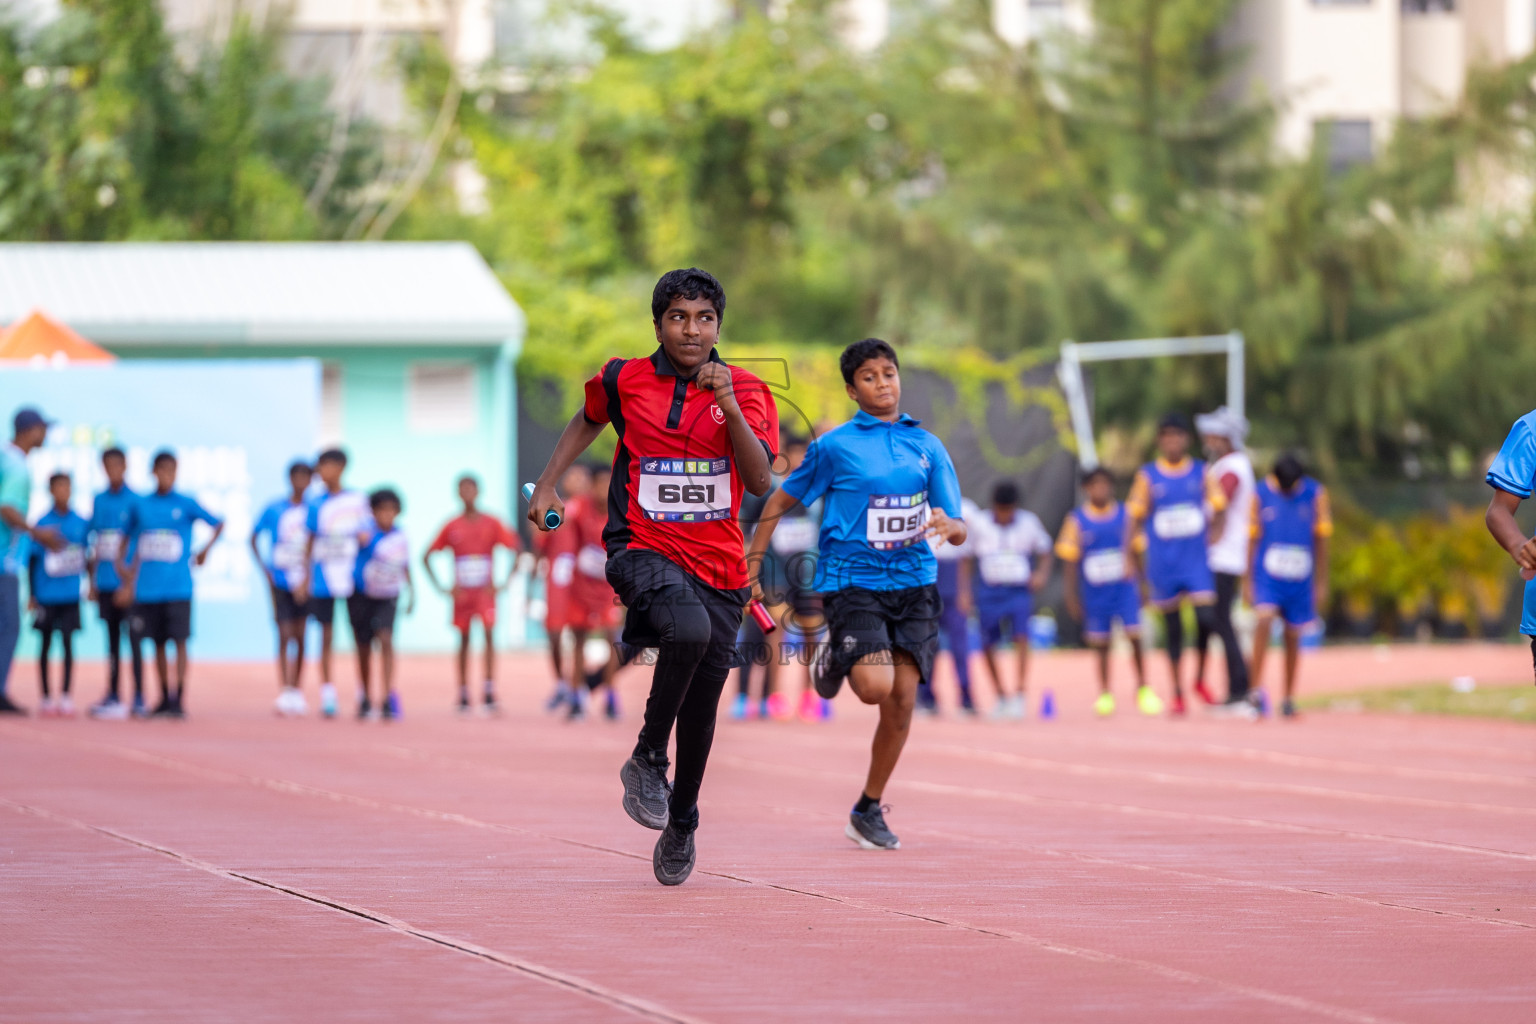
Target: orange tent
[(37, 337)]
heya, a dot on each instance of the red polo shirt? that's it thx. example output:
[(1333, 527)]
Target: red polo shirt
[(675, 487)]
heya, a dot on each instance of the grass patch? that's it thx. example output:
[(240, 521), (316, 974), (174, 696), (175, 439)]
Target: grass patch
[(1512, 703)]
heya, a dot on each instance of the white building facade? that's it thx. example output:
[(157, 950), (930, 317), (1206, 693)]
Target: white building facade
[(1347, 67)]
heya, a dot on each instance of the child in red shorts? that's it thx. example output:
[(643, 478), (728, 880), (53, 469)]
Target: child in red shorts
[(473, 537)]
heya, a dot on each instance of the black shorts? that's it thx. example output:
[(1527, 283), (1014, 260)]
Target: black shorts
[(636, 574), (286, 609), (58, 618), (159, 621), (862, 622), (322, 609), (370, 616), (112, 613)]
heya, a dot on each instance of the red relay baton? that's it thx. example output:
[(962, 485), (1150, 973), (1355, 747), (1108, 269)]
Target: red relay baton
[(760, 615)]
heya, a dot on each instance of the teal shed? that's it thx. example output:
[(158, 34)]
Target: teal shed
[(417, 344)]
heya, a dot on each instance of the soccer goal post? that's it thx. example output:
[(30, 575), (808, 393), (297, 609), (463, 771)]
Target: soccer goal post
[(1075, 354)]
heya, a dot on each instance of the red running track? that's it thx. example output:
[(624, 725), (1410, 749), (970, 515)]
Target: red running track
[(238, 867)]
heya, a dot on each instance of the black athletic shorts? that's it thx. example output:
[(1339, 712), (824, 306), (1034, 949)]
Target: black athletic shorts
[(159, 621), (370, 616), (636, 574), (112, 613), (323, 609), (58, 618), (285, 608), (861, 622)]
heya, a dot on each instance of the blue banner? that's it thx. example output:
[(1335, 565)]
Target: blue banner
[(234, 425)]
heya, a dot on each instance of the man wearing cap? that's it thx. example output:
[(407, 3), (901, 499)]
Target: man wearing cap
[(1222, 434), (31, 429)]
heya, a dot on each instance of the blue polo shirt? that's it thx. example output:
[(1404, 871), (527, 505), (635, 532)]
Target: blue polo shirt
[(878, 481), (1514, 471), (15, 491), (55, 575), (109, 534), (160, 536)]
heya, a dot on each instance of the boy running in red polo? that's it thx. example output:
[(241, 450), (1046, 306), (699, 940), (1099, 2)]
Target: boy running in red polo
[(473, 538), (693, 433)]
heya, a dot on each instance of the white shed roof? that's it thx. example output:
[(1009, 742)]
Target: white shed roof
[(280, 293)]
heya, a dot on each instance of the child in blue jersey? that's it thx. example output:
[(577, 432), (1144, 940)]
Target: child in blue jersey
[(157, 576), (285, 525), (337, 517), (1287, 564), (55, 578), (109, 531), (1013, 561), (1100, 584), (886, 486), (1512, 477), (383, 569), (1177, 508), (955, 593)]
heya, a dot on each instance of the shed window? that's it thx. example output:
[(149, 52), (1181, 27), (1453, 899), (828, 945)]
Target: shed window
[(330, 405), (440, 398)]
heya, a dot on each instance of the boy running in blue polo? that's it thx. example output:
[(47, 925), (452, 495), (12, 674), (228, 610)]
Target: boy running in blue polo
[(1177, 509), (1100, 584), (337, 517), (887, 485), (157, 576), (55, 580), (1287, 564), (109, 531), (1512, 477), (383, 568), (285, 524)]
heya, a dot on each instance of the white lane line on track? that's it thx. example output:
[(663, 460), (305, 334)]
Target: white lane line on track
[(1239, 785), (972, 792), (1193, 876), (1080, 952), (973, 751), (578, 985)]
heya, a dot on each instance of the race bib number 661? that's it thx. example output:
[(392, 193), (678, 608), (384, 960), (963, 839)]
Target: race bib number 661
[(685, 490), (896, 520)]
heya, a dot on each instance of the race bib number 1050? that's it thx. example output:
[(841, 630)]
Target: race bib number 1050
[(896, 520), (685, 490)]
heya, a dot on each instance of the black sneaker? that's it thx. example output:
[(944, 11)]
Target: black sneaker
[(465, 707), (674, 856), (364, 709), (646, 792), (869, 829), (10, 707), (163, 709), (489, 705), (822, 679), (174, 711), (1288, 708)]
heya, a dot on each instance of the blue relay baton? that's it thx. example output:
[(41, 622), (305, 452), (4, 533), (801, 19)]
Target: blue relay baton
[(552, 518)]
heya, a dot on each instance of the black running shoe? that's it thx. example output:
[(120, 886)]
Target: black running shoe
[(162, 709), (869, 829), (10, 707), (674, 856), (1288, 708), (646, 792), (364, 709), (822, 679)]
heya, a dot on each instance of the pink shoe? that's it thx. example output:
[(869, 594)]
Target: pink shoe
[(809, 711), (778, 708)]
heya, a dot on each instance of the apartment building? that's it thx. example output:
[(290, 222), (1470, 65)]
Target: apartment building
[(1347, 67)]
